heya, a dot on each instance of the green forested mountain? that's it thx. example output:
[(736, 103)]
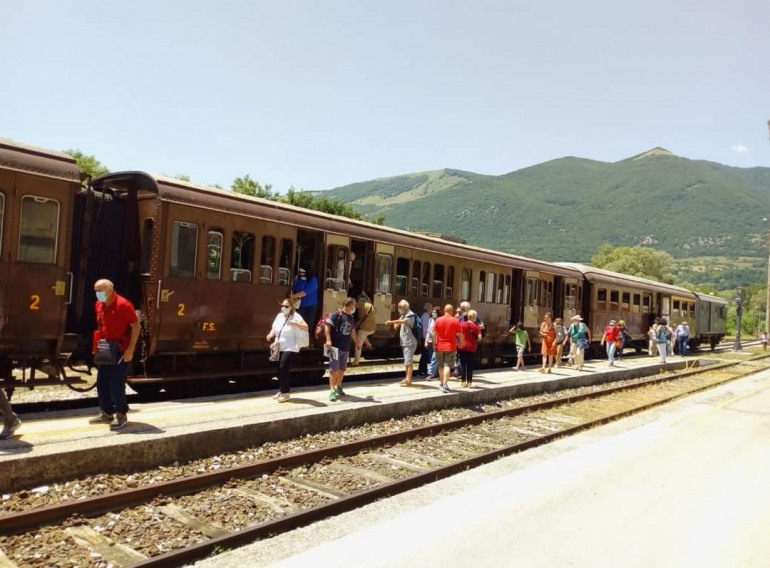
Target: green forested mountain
[(565, 208)]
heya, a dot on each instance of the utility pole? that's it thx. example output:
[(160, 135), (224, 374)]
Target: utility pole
[(738, 314)]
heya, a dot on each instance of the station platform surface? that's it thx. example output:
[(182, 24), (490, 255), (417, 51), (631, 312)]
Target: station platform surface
[(684, 484), (52, 447)]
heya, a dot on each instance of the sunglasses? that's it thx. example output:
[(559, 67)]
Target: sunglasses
[(285, 305)]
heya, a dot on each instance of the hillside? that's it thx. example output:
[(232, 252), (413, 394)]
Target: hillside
[(565, 208)]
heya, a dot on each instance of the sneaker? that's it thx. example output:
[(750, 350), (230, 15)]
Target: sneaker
[(339, 390), (430, 378), (9, 430), (445, 389), (333, 395), (273, 378), (516, 369), (119, 421), (103, 418), (283, 397), (463, 384), (277, 395)]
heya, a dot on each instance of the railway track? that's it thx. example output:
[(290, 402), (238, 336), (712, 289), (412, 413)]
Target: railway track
[(179, 521)]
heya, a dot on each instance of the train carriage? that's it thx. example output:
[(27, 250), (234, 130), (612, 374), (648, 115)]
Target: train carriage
[(709, 325), (37, 189)]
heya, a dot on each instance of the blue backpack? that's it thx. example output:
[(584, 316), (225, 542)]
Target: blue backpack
[(417, 329)]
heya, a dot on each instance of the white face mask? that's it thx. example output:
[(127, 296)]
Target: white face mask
[(285, 310)]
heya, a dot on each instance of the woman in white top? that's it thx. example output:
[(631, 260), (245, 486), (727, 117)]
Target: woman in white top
[(290, 332)]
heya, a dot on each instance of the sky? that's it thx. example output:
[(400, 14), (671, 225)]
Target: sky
[(319, 94)]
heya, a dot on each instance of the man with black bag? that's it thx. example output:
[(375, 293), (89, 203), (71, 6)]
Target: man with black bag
[(114, 342)]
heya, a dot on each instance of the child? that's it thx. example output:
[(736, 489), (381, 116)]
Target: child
[(521, 340)]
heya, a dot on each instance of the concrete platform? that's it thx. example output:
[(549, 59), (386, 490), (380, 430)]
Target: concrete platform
[(681, 485), (51, 448)]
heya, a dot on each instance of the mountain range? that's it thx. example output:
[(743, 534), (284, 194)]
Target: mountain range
[(564, 209)]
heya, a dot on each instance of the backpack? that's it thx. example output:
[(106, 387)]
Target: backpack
[(417, 329), (662, 334), (319, 327), (561, 335)]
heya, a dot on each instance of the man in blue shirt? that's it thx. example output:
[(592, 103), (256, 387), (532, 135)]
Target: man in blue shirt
[(305, 290)]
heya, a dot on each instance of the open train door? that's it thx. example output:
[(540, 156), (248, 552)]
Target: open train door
[(383, 283), (333, 280)]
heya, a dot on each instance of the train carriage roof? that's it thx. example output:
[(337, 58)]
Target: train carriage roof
[(177, 191), (710, 298), (601, 276), (31, 159)]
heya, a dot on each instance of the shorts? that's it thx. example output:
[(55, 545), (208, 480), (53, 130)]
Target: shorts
[(408, 353), (520, 350), (445, 358), (340, 364)]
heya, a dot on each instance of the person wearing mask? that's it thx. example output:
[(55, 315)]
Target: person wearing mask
[(304, 295), (405, 324), (285, 331), (429, 336), (547, 343), (610, 337), (340, 334), (118, 325), (682, 334), (447, 336)]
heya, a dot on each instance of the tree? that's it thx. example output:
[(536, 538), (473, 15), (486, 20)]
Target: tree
[(643, 262), (247, 186), (88, 164)]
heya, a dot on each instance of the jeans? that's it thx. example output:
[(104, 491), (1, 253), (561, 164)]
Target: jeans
[(111, 388), (611, 352), (682, 345), (433, 365)]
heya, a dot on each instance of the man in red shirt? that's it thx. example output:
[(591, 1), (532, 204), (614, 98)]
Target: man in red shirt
[(116, 322), (447, 335), (611, 333)]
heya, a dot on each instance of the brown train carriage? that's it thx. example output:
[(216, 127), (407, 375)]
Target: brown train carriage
[(36, 194), (207, 269), (637, 301)]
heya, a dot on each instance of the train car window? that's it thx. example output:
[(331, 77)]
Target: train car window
[(507, 290), (569, 296), (335, 268), (414, 289), (424, 281), (646, 303), (500, 286), (184, 249), (692, 310), (490, 287), (266, 259), (465, 285), (636, 305), (482, 284), (402, 276), (614, 297), (625, 301), (601, 299), (579, 299), (450, 282), (147, 230), (216, 240), (438, 280), (39, 230), (548, 295), (242, 257), (384, 271), (675, 308), (284, 264), (533, 290)]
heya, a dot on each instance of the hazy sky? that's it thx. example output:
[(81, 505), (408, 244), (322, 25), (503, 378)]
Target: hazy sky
[(318, 94)]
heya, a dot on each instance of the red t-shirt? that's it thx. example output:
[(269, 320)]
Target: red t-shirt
[(471, 333), (611, 333), (113, 322), (446, 328)]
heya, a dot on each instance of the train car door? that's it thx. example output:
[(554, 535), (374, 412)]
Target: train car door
[(362, 269), (37, 291), (383, 285), (336, 271)]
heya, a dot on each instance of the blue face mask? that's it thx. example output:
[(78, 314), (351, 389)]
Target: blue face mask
[(101, 296)]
